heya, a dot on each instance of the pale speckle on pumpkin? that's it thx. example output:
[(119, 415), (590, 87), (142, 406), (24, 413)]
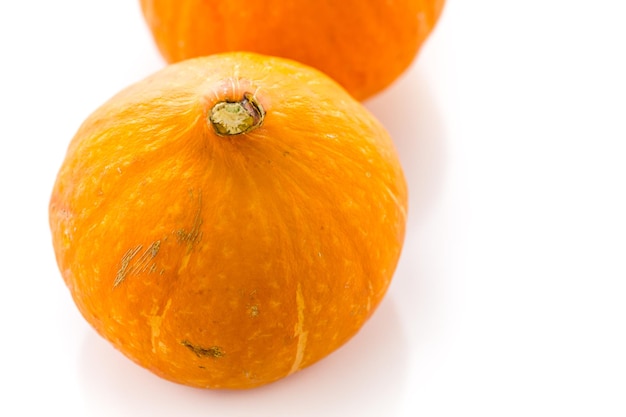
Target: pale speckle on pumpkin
[(253, 310), (299, 331)]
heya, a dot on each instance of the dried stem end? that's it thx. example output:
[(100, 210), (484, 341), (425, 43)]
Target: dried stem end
[(230, 118)]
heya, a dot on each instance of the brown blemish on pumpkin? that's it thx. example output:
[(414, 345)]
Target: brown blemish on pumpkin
[(192, 236), (252, 306), (141, 264), (202, 352), (123, 269)]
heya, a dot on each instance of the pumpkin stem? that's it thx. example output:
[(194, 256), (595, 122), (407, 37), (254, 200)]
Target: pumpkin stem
[(230, 118)]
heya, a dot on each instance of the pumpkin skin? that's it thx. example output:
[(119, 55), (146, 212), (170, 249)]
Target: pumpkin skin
[(364, 45), (229, 261)]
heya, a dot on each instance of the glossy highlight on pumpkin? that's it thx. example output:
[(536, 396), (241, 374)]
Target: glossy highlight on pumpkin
[(229, 259), (364, 45)]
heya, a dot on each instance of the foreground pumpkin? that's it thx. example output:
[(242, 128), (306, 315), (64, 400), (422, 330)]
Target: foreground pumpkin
[(229, 220), (363, 44)]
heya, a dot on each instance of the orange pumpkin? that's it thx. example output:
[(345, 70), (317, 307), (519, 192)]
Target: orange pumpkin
[(364, 45), (229, 220)]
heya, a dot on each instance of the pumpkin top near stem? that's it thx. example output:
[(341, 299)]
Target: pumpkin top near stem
[(230, 118)]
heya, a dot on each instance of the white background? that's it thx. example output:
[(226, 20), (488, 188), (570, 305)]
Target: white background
[(510, 297)]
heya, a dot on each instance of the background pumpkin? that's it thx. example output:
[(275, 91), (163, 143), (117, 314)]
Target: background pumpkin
[(229, 258), (364, 45)]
